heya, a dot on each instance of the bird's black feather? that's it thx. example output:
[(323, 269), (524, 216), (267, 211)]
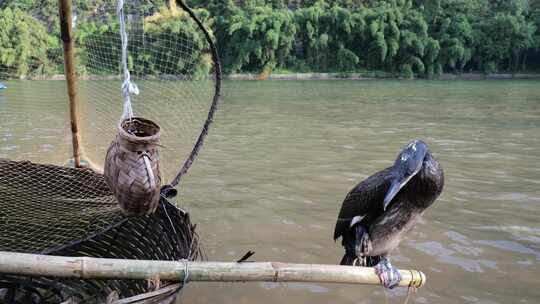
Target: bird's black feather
[(410, 186), (364, 198)]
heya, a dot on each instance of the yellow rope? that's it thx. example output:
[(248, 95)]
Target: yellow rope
[(412, 287)]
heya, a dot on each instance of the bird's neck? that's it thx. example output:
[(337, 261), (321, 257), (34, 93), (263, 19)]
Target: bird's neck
[(427, 185)]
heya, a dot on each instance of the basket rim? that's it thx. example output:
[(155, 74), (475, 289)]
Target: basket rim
[(124, 134)]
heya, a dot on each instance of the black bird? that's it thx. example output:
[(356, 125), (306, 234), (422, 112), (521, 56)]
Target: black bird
[(378, 212)]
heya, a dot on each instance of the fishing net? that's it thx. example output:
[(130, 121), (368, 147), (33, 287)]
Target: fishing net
[(170, 61), (47, 207), (50, 216)]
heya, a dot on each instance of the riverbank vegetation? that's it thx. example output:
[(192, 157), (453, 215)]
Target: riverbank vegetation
[(404, 37)]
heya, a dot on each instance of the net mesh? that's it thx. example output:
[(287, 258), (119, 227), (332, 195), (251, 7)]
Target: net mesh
[(171, 63), (63, 223), (51, 198), (47, 207), (169, 58)]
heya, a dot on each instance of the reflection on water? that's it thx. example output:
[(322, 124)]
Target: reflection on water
[(282, 155)]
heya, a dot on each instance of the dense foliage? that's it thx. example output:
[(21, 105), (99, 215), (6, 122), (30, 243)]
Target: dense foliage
[(25, 46), (409, 37)]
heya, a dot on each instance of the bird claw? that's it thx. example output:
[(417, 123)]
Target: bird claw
[(388, 275), (366, 244), (363, 243)]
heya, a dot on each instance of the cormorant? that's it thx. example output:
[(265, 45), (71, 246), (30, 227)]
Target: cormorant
[(379, 211)]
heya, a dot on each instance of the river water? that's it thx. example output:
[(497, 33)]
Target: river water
[(282, 155)]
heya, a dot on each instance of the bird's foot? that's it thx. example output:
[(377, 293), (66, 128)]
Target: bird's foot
[(388, 275), (360, 261)]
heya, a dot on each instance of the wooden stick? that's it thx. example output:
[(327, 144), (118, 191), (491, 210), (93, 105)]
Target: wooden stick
[(99, 268), (69, 69)]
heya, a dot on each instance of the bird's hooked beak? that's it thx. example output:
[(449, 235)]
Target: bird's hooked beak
[(406, 166)]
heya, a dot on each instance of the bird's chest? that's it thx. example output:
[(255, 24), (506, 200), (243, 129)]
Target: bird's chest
[(388, 230)]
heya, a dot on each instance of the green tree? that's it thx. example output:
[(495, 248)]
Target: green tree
[(451, 24), (170, 43), (410, 37), (504, 36), (399, 39), (313, 35), (332, 37), (259, 38), (24, 44), (174, 37)]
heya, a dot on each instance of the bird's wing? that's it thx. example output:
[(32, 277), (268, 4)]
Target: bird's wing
[(363, 199)]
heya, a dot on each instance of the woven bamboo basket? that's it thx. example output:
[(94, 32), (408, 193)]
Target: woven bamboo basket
[(132, 166)]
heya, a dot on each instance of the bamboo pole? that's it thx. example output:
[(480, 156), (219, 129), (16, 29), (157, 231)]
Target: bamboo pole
[(69, 70), (99, 268)]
